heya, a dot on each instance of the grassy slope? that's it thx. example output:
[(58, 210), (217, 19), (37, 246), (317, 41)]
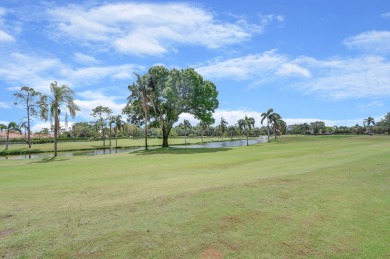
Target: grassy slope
[(305, 196)]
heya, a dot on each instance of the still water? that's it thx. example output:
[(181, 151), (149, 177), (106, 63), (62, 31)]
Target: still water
[(223, 144)]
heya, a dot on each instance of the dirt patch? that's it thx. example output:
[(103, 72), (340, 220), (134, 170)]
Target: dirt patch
[(6, 216), (6, 232), (211, 253)]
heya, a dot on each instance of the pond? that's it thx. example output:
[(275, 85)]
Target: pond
[(221, 144)]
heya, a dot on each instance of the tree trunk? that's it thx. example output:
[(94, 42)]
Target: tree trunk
[(56, 122), (247, 139), (6, 143), (28, 127), (146, 131), (275, 132), (103, 136), (110, 134), (268, 131), (116, 138), (185, 135), (165, 137)]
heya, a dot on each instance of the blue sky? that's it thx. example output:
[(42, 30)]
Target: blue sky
[(310, 60)]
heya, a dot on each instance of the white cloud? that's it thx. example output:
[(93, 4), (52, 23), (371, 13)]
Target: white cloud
[(333, 78), (4, 105), (244, 68), (4, 36), (84, 59), (386, 15), (370, 41), (337, 79), (293, 69), (151, 28), (41, 71), (92, 99)]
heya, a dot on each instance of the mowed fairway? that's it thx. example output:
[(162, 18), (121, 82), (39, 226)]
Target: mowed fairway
[(301, 197)]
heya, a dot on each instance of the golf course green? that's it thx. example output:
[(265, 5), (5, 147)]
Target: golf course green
[(303, 196)]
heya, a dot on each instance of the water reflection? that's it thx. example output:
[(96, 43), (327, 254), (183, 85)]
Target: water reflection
[(222, 144)]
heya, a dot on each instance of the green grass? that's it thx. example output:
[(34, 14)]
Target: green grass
[(301, 197)]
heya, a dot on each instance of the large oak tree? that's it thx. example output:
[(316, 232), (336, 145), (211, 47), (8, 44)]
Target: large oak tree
[(173, 92)]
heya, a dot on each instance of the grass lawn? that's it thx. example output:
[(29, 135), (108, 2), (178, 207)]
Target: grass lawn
[(301, 197)]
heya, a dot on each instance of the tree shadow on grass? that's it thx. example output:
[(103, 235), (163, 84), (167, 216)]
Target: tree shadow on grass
[(179, 151), (49, 160)]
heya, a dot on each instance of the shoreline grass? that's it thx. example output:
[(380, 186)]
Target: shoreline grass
[(301, 197)]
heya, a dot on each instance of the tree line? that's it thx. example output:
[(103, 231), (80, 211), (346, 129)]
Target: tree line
[(156, 101)]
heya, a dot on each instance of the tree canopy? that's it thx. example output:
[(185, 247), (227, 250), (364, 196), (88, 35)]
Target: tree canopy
[(173, 92)]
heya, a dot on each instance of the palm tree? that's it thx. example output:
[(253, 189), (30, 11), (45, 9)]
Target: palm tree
[(119, 124), (275, 122), (246, 125), (368, 122), (271, 117), (61, 100), (14, 127), (305, 128), (111, 120), (203, 126), (186, 124), (223, 126), (24, 125), (231, 130), (282, 127), (142, 91), (2, 127)]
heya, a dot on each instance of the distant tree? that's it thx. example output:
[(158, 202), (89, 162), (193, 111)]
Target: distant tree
[(14, 127), (32, 101), (203, 127), (185, 125), (369, 121), (271, 117), (246, 125), (305, 128), (317, 127), (102, 114), (2, 127), (385, 123), (232, 129), (61, 100), (223, 126), (282, 126), (119, 124)]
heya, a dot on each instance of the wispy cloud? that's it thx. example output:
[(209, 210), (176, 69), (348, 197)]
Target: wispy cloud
[(4, 105), (41, 71), (348, 78), (293, 69), (84, 59), (244, 68), (151, 28), (92, 99), (334, 78), (4, 36), (370, 41), (386, 15)]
